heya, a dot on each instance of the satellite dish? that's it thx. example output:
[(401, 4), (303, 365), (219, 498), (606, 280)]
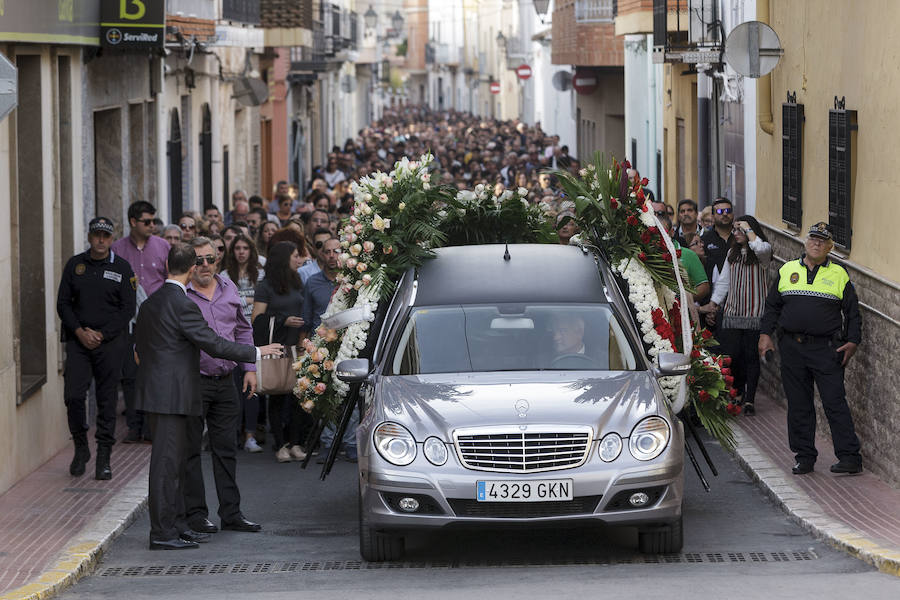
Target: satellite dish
[(348, 84), (250, 91), (562, 81), (753, 49)]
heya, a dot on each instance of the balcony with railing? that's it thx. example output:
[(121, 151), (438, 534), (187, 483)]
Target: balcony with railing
[(242, 11), (311, 58), (594, 11)]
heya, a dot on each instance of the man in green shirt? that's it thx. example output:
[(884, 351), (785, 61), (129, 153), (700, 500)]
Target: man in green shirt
[(689, 260)]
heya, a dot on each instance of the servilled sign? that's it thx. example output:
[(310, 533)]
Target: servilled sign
[(523, 72), (495, 87), (132, 24)]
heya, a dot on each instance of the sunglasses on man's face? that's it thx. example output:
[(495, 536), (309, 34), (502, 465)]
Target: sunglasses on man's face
[(147, 222), (210, 260), (187, 227), (723, 211), (660, 213)]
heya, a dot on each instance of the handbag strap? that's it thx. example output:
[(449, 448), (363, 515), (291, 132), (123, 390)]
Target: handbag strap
[(271, 328)]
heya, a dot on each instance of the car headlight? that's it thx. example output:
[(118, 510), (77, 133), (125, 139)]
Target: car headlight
[(610, 447), (649, 438), (395, 443), (435, 451)]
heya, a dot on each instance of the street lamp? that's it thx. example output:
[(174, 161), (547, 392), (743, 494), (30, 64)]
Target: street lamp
[(397, 21), (501, 39), (541, 7), (370, 17)]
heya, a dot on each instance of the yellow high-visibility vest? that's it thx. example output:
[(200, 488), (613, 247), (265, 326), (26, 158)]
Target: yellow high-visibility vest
[(829, 282)]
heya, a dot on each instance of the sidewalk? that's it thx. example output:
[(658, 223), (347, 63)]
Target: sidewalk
[(54, 528), (859, 514)]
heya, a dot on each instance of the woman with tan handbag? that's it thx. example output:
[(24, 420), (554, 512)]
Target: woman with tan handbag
[(277, 306)]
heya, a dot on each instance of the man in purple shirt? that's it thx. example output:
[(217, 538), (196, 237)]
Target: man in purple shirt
[(146, 253), (220, 304)]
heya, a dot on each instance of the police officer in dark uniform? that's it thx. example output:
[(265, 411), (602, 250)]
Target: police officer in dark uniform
[(814, 308), (96, 300)]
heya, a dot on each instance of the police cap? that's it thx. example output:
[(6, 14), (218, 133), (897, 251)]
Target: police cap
[(821, 230), (101, 224)]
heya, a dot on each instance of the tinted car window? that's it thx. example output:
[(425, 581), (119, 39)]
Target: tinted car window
[(453, 339)]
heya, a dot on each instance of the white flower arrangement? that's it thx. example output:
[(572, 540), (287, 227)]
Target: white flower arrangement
[(643, 296)]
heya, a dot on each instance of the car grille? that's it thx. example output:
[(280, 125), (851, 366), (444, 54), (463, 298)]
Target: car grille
[(513, 450), (582, 505)]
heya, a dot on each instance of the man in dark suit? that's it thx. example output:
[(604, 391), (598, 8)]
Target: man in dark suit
[(170, 333)]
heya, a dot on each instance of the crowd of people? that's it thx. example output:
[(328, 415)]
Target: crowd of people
[(265, 270)]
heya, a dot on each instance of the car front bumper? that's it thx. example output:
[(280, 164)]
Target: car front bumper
[(447, 494)]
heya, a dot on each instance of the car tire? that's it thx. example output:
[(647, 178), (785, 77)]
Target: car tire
[(667, 539), (375, 546)]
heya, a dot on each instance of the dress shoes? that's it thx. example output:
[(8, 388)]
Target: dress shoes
[(176, 544), (241, 524), (133, 437), (195, 536), (850, 467), (203, 526), (802, 468)]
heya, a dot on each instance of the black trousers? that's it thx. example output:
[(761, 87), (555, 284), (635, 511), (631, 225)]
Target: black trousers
[(133, 418), (741, 346), (222, 412), (803, 364), (167, 460), (103, 364)]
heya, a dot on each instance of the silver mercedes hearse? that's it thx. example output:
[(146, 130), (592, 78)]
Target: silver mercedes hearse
[(510, 386)]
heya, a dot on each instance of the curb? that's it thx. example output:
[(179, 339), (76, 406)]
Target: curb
[(87, 547), (807, 513)]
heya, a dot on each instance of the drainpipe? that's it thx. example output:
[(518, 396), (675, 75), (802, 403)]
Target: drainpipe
[(703, 101), (764, 84)]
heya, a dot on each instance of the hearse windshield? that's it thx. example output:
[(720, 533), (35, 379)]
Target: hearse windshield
[(512, 337)]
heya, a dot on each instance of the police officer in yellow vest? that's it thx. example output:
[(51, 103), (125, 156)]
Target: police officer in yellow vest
[(815, 311)]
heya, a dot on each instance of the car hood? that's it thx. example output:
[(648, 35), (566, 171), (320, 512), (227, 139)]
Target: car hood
[(438, 404)]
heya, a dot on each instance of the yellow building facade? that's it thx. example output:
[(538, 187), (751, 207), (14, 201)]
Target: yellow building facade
[(843, 49)]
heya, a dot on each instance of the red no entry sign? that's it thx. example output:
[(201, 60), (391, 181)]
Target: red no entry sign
[(523, 71), (584, 81), (495, 87)]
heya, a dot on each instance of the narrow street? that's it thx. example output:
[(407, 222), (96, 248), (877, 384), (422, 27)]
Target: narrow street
[(737, 545)]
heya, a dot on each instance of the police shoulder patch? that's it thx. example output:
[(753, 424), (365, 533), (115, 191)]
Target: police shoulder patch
[(133, 281), (795, 277), (79, 269)]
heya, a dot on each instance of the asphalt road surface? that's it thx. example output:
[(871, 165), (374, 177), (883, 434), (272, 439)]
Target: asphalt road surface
[(737, 545)]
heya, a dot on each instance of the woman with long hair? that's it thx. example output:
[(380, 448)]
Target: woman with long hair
[(279, 296), (266, 231), (241, 265), (742, 286)]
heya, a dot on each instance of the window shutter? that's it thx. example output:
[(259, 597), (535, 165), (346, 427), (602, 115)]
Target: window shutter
[(792, 161), (841, 123)]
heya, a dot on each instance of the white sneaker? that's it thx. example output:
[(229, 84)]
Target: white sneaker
[(283, 455), (297, 452), (250, 445)]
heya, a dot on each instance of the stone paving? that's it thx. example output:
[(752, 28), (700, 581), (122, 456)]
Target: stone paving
[(54, 528)]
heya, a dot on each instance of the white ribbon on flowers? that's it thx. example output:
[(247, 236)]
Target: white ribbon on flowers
[(349, 316), (687, 340)]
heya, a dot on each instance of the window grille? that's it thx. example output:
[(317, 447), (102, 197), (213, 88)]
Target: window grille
[(841, 124), (792, 161)]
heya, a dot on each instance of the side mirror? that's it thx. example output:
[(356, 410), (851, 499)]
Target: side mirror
[(354, 370), (672, 364)]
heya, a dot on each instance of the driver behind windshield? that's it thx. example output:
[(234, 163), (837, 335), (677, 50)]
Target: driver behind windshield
[(567, 332)]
